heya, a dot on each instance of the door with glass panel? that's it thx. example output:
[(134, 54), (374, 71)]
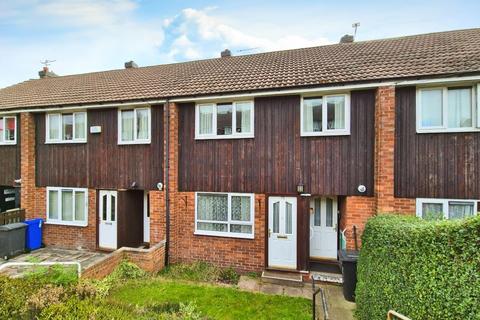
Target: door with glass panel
[(282, 232), (107, 229), (323, 228)]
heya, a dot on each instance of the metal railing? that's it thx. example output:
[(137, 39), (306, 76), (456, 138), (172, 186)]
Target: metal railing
[(315, 292), (12, 216), (393, 315), (45, 263)]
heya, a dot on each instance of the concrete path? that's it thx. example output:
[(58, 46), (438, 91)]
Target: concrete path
[(51, 254), (338, 308)]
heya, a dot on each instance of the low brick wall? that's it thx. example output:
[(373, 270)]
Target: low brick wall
[(151, 260)]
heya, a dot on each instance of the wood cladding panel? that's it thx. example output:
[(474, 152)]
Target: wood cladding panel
[(433, 165), (101, 163), (278, 158), (10, 160)]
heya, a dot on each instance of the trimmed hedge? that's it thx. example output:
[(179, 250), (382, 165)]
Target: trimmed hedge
[(422, 269)]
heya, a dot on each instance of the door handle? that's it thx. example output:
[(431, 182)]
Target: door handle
[(282, 237), (269, 232)]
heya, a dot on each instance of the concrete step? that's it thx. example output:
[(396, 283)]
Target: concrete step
[(292, 279), (327, 277)]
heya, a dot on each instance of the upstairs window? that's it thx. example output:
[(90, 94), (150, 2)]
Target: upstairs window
[(325, 115), (66, 127), (224, 120), (8, 130), (134, 126), (438, 209), (447, 109)]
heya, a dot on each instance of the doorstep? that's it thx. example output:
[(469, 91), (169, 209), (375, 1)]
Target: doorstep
[(285, 278)]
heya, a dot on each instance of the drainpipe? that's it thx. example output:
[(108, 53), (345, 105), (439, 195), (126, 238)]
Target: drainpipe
[(167, 184)]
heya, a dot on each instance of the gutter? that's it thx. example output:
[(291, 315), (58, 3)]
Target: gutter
[(167, 184)]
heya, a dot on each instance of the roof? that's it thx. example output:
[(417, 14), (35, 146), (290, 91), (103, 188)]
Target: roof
[(434, 54)]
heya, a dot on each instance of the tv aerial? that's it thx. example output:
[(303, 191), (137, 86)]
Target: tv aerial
[(47, 62), (355, 26)]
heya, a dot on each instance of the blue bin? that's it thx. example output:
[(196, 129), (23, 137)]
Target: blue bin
[(33, 238)]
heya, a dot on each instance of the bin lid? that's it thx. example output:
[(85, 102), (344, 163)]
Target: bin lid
[(13, 226), (348, 255), (34, 221)]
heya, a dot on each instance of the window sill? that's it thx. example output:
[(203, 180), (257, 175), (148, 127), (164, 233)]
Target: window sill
[(126, 143), (458, 130), (225, 137), (67, 142), (224, 235), (8, 143), (69, 224), (325, 134)]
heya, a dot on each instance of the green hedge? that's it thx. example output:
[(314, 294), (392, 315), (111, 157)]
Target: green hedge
[(422, 269)]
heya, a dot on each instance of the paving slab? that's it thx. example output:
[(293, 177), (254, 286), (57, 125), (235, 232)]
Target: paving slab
[(51, 254), (338, 308)]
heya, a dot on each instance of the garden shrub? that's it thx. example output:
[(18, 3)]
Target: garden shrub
[(422, 269)]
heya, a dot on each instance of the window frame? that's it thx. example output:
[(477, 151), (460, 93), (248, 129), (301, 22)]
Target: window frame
[(135, 133), (475, 105), (229, 221), (445, 202), (59, 221), (234, 135), (3, 118), (325, 131), (61, 140)]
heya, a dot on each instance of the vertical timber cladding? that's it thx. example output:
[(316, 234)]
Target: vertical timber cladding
[(10, 160), (435, 165), (101, 163), (277, 159)]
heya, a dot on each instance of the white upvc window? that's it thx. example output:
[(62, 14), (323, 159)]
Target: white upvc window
[(230, 120), (8, 130), (66, 127), (67, 206), (448, 109), (327, 115), (134, 125), (225, 214), (437, 209)]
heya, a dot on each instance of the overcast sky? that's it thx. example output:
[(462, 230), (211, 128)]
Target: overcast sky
[(93, 35)]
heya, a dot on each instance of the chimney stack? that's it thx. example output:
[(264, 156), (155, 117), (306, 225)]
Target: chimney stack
[(226, 53), (130, 65), (346, 39), (46, 73)]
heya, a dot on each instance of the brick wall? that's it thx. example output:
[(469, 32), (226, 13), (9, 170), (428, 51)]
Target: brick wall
[(151, 260), (242, 254), (157, 216), (27, 164), (385, 155)]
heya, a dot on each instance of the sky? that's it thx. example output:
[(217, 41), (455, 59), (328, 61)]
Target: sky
[(95, 35)]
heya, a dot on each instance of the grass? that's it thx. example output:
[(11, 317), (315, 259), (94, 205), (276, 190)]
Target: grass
[(212, 301), (200, 271)]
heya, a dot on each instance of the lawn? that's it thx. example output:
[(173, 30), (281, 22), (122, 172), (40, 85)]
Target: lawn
[(181, 292), (212, 301)]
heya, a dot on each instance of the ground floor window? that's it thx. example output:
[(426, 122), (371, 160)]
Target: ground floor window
[(68, 206), (224, 214), (437, 209)]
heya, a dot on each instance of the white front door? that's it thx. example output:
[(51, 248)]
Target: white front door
[(146, 217), (282, 232), (323, 228), (107, 229)]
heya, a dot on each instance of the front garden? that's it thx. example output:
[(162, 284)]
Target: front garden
[(197, 291)]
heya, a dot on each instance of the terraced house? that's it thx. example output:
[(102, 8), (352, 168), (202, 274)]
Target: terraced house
[(263, 161)]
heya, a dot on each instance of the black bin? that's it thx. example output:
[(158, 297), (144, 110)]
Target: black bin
[(349, 259), (12, 239)]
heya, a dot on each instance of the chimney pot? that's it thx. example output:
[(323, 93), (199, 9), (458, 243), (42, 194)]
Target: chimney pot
[(46, 73), (130, 64), (348, 38), (226, 53)]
